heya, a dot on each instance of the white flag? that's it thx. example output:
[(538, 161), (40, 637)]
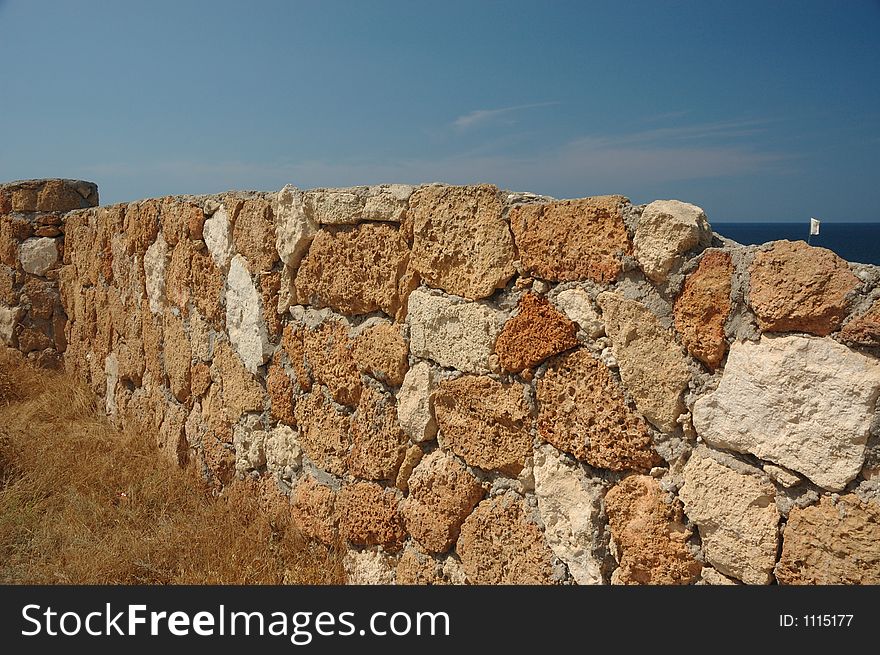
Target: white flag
[(814, 226)]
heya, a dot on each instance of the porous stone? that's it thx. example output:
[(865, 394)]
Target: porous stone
[(781, 476), (454, 334), (292, 342), (324, 432), (200, 379), (734, 507), (283, 452), (649, 534), (327, 350), (461, 242), (42, 297), (254, 235), (37, 255), (207, 287), (418, 568), (667, 229), (384, 202), (9, 317), (411, 459), (178, 357), (368, 516), (372, 566), (8, 292), (294, 228), (155, 262), (240, 391), (250, 448), (834, 542), (415, 412), (568, 240), (217, 232), (863, 330), (652, 365), (280, 390), (498, 545), (583, 412), (312, 510), (800, 288), (570, 507), (537, 332), (355, 270), (804, 403), (378, 443), (484, 422), (441, 495), (244, 317), (171, 437), (381, 351), (702, 309), (576, 304)]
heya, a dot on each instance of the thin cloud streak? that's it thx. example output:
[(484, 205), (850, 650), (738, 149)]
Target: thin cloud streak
[(483, 116)]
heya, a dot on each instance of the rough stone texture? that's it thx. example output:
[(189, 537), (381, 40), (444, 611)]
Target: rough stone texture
[(576, 304), (8, 293), (649, 534), (461, 242), (652, 365), (734, 506), (292, 342), (9, 317), (244, 317), (800, 288), (239, 389), (570, 506), (703, 307), (418, 568), (42, 297), (208, 287), (381, 351), (454, 334), (384, 202), (415, 411), (250, 448), (801, 402), (327, 350), (324, 434), (368, 516), (537, 332), (47, 195), (667, 229), (217, 232), (569, 240), (498, 545), (283, 452), (280, 390), (369, 567), (38, 255), (832, 543), (200, 379), (378, 443), (178, 357), (171, 438), (411, 459), (354, 270), (294, 228), (155, 262), (863, 330), (312, 510), (441, 495), (254, 235), (583, 412), (484, 422)]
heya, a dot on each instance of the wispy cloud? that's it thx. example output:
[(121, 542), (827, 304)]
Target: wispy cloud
[(484, 116)]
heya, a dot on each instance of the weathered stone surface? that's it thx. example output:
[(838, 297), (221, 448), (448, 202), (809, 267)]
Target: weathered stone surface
[(384, 202), (415, 411), (240, 391), (378, 443), (269, 284), (200, 379), (537, 332), (832, 543), (372, 566), (327, 350), (800, 288), (652, 365), (498, 545), (703, 307), (461, 242), (294, 228), (31, 339), (411, 459), (207, 287), (418, 568), (734, 506), (667, 229), (441, 495), (584, 413), (171, 438), (313, 510), (649, 534), (863, 330), (280, 390), (38, 255), (217, 232), (155, 262), (8, 293), (324, 432), (484, 422), (368, 516), (254, 235), (178, 275), (244, 317), (576, 304), (570, 505), (381, 351), (283, 452), (454, 334), (292, 342), (178, 357), (801, 402), (9, 317), (176, 216), (42, 297), (250, 448), (354, 270), (572, 239)]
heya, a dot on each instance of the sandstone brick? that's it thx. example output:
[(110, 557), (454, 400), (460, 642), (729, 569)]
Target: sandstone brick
[(667, 229), (578, 307), (327, 350), (152, 339), (368, 516), (800, 288), (219, 460), (441, 495), (324, 431), (650, 535), (33, 338), (8, 291), (371, 566), (354, 270), (270, 283), (175, 218), (38, 255), (171, 438), (283, 452), (294, 227), (417, 568), (178, 357), (703, 307), (484, 422), (583, 412), (537, 332), (411, 459), (207, 287), (47, 231), (250, 448), (863, 330), (461, 242), (63, 195), (254, 235), (385, 202), (8, 242), (42, 297), (381, 351), (292, 342), (200, 379), (141, 225), (414, 406), (240, 390), (280, 390), (832, 543), (312, 510), (378, 443), (498, 545), (569, 240), (244, 317)]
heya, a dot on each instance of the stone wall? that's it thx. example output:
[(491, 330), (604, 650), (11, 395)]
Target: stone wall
[(468, 385)]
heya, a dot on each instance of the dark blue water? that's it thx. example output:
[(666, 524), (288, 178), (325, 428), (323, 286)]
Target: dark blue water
[(855, 242)]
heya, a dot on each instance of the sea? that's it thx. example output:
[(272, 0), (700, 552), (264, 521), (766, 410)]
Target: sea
[(855, 242)]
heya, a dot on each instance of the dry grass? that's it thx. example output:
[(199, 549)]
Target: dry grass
[(83, 503)]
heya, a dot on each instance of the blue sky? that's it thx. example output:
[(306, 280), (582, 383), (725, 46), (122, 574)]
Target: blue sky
[(754, 110)]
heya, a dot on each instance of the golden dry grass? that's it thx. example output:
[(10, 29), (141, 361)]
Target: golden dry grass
[(83, 503)]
